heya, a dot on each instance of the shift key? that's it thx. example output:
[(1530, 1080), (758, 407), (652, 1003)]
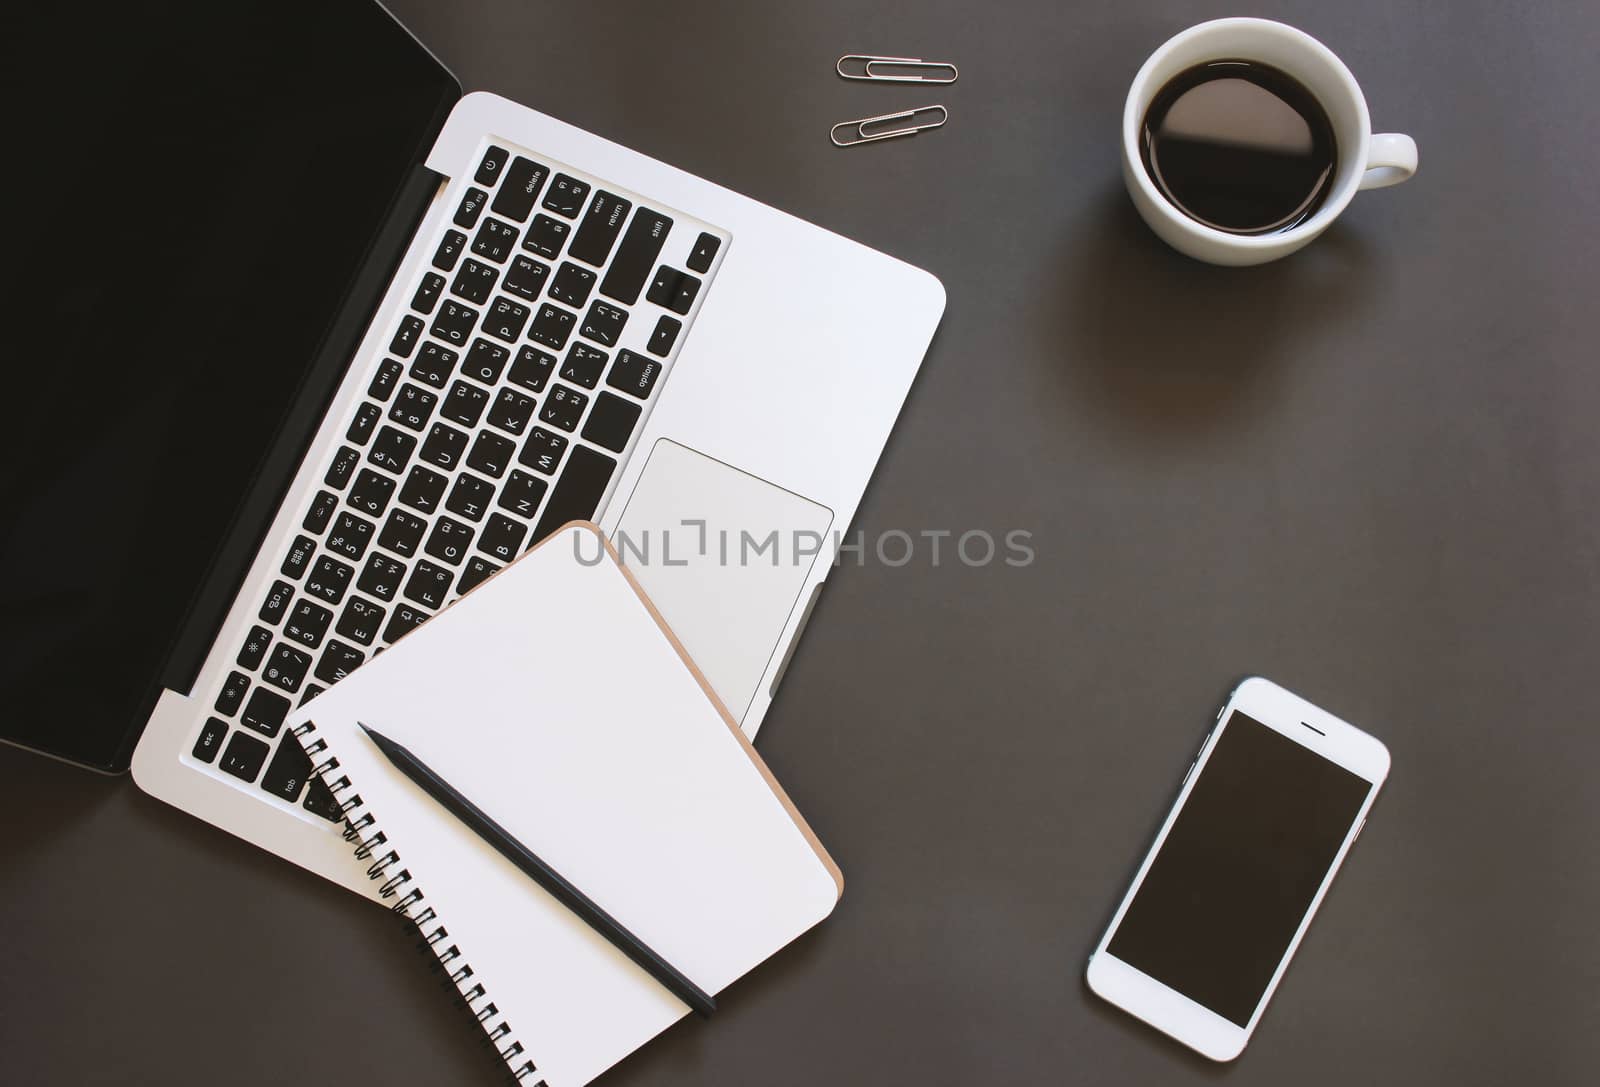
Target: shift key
[(636, 256)]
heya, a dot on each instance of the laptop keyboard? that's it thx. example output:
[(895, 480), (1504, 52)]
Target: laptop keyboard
[(534, 343)]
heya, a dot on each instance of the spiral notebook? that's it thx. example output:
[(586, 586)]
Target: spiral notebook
[(556, 699)]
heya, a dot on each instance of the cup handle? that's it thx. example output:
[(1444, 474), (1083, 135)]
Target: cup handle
[(1391, 159)]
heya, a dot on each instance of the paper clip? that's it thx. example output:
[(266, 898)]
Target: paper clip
[(864, 70), (862, 135)]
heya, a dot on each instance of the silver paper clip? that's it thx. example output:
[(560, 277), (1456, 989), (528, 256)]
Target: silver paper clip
[(862, 132), (863, 67)]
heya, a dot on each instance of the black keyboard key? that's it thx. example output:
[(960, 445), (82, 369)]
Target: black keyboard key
[(471, 207), (265, 711), (611, 422), (704, 252), (584, 365), (307, 623), (406, 336), (448, 541), (404, 620), (546, 236), (360, 621), (402, 532), (603, 323), (465, 404), (384, 381), (476, 573), (578, 492), (429, 585), (523, 181), (412, 406), (287, 772), (371, 493), (299, 556), (485, 361), (392, 450), (286, 667), (634, 374), (381, 576), (511, 411), (311, 691), (338, 661), (674, 290), (449, 251), (502, 537), (598, 231), (349, 536), (572, 284), (522, 494), (445, 446), (525, 277), (454, 322), (277, 602), (552, 327), (254, 648), (475, 281), (210, 740), (328, 579), (470, 497), (231, 697), (434, 364), (428, 292), (641, 245), (563, 407), (506, 319), (423, 489), (664, 336), (320, 801), (365, 421), (344, 462), (321, 511), (542, 451), (567, 196), (532, 368), (244, 757), (492, 166), (494, 240), (491, 454)]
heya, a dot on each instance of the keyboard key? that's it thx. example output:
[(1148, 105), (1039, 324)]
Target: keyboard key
[(641, 245), (328, 579), (572, 284), (552, 327), (277, 602), (598, 231), (320, 801), (674, 290), (532, 368), (522, 494), (299, 556), (404, 620), (634, 374), (578, 492), (406, 336), (523, 181), (563, 407), (321, 511), (584, 365), (210, 740), (542, 452), (567, 196), (525, 277), (434, 364), (402, 533), (546, 236), (244, 756), (383, 382), (492, 166), (471, 207), (231, 697), (254, 648), (310, 691), (704, 252), (265, 712), (465, 404), (412, 406), (449, 541), (349, 536), (287, 772), (603, 323), (506, 319), (381, 576), (344, 463), (429, 585), (360, 621), (475, 281), (286, 667), (454, 322), (494, 240), (445, 446), (491, 454), (338, 661), (428, 292), (307, 623), (371, 493), (423, 489), (611, 422), (470, 497), (511, 411), (485, 361), (476, 573), (502, 537), (364, 422), (392, 450), (449, 251)]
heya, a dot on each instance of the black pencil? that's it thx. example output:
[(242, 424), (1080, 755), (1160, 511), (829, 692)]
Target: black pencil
[(542, 874)]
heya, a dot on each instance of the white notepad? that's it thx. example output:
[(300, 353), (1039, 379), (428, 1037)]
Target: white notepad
[(554, 697)]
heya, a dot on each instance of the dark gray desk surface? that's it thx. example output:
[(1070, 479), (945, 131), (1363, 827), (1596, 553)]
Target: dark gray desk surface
[(1371, 472)]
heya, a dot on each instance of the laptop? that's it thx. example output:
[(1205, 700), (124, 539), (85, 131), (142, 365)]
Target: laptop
[(320, 344)]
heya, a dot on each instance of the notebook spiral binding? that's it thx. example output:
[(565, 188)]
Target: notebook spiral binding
[(361, 829)]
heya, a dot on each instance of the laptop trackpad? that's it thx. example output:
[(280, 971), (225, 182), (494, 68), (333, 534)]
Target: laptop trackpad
[(724, 556)]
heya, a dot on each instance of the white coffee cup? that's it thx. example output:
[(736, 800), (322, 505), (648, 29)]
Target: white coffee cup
[(1365, 160)]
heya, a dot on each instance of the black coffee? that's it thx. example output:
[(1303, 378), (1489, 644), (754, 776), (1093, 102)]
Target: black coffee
[(1240, 146)]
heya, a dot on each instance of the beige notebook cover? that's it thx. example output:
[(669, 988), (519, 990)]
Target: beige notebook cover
[(555, 698)]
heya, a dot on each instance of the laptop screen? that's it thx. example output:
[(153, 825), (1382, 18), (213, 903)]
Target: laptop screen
[(196, 183)]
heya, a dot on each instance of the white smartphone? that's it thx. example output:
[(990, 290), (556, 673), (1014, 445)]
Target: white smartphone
[(1270, 806)]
